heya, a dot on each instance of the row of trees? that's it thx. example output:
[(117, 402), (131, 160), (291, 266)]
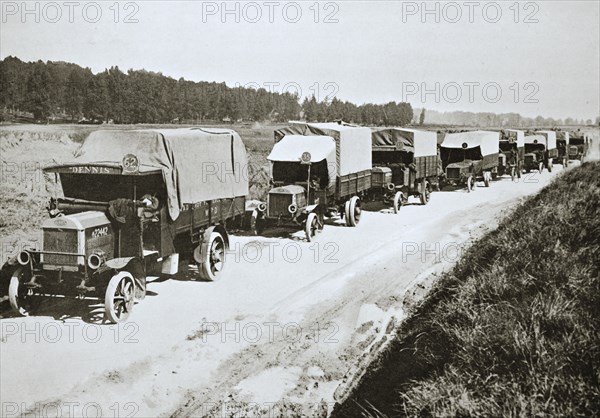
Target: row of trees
[(65, 90), (485, 119)]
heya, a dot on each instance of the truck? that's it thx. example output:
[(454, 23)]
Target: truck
[(512, 153), (578, 145), (536, 153), (467, 156), (411, 158), (132, 202), (551, 148), (318, 170)]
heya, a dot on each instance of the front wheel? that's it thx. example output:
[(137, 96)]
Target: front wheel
[(397, 202), (19, 296), (119, 297), (211, 256), (311, 227), (257, 223), (425, 193)]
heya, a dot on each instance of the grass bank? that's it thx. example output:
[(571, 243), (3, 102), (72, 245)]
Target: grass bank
[(513, 329)]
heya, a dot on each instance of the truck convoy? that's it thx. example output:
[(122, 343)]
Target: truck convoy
[(469, 155), (317, 170), (133, 199), (410, 156)]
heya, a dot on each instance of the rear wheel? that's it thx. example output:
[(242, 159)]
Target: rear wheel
[(486, 179), (470, 184), (397, 202), (211, 257), (354, 211), (119, 297), (311, 227), (20, 296)]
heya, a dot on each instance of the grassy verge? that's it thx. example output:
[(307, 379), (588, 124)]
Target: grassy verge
[(513, 329)]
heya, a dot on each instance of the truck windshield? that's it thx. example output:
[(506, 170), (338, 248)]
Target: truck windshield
[(292, 172), (456, 155), (104, 187)]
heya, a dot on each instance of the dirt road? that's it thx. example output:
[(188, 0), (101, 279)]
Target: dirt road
[(279, 334)]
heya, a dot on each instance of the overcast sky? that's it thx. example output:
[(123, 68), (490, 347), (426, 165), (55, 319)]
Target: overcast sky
[(543, 55)]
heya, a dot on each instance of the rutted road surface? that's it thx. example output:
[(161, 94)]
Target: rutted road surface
[(286, 330)]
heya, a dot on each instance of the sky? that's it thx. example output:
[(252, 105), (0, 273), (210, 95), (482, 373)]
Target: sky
[(533, 58)]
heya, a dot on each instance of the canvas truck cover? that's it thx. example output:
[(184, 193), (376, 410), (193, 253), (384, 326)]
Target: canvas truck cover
[(291, 148), (488, 141), (536, 139), (520, 137), (392, 139), (352, 143), (197, 164), (550, 138)]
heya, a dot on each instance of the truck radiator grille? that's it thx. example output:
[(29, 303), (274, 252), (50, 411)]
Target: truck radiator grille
[(278, 204), (453, 173), (60, 241)]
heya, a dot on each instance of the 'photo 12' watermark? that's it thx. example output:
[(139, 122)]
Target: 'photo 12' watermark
[(470, 11), (270, 11), (469, 92), (70, 11)]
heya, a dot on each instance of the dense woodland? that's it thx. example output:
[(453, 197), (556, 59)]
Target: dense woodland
[(65, 91)]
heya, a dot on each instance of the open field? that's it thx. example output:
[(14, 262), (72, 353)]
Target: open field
[(191, 347)]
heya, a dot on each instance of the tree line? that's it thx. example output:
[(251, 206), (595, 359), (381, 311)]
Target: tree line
[(487, 119), (66, 91)]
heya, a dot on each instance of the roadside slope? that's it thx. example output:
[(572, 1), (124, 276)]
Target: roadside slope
[(513, 329)]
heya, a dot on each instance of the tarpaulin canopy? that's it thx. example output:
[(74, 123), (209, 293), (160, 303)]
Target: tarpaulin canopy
[(291, 148), (197, 164), (550, 138), (536, 139), (392, 138), (520, 136), (352, 143), (487, 141)]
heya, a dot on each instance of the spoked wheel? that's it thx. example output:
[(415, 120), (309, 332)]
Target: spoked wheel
[(470, 184), (398, 200), (120, 297), (486, 179), (540, 167), (425, 193), (311, 227), (353, 211), (212, 257), (20, 296)]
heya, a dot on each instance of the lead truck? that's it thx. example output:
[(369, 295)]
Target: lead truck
[(318, 170), (132, 201)]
